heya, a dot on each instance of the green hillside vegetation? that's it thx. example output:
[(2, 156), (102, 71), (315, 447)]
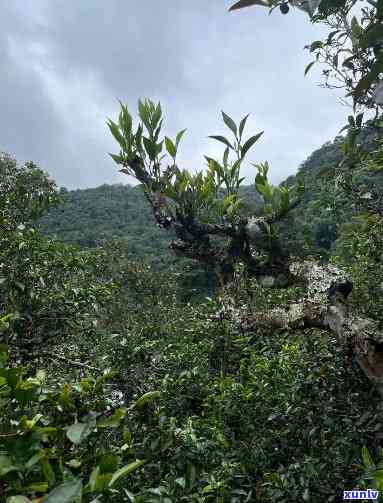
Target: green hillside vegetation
[(86, 217), (312, 229)]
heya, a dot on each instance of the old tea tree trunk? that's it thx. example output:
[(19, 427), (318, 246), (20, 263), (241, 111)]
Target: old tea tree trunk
[(325, 305), (202, 210)]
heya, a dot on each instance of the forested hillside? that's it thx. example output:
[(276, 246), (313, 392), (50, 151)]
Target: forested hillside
[(86, 217)]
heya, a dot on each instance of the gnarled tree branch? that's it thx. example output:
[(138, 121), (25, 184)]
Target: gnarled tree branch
[(326, 306)]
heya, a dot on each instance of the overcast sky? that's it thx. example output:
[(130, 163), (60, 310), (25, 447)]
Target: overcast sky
[(64, 65)]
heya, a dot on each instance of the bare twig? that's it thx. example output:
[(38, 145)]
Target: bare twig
[(54, 356)]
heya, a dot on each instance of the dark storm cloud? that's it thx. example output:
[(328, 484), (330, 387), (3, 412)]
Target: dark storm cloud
[(29, 126), (66, 63)]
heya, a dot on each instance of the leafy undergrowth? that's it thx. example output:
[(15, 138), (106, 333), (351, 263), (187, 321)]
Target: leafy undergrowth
[(282, 424)]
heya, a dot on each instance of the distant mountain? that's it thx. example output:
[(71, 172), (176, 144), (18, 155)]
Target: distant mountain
[(89, 216)]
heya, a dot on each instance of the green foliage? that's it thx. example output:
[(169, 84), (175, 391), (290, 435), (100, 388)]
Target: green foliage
[(373, 473), (26, 192), (276, 199), (352, 51), (57, 441), (46, 286), (89, 216), (209, 195), (359, 249), (330, 175)]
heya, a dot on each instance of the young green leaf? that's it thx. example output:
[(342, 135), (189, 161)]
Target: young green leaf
[(240, 180), (114, 129), (80, 431), (367, 459), (143, 112), (117, 158), (125, 470), (156, 116), (138, 138), (125, 120), (309, 66), (249, 143), (114, 420), (223, 140), (48, 471), (235, 168), (179, 136), (242, 125), (157, 131), (150, 148), (170, 147), (229, 123), (159, 147), (226, 156), (146, 398), (265, 190)]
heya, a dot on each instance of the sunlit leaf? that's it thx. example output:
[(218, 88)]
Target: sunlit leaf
[(147, 398), (80, 431), (150, 148), (114, 420), (18, 499), (170, 147), (125, 470), (367, 459), (68, 492), (6, 465)]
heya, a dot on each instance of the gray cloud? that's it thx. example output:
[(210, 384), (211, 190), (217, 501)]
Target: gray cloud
[(65, 64)]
